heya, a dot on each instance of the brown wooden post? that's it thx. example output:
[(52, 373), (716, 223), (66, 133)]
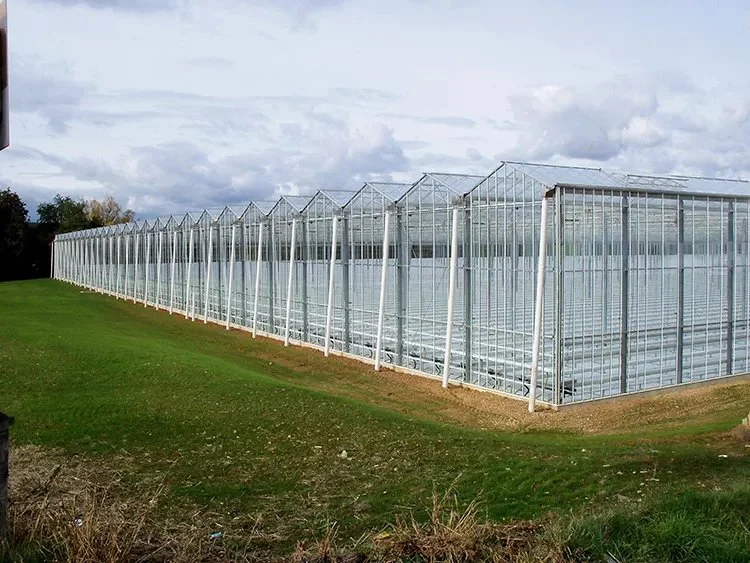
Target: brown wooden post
[(5, 423)]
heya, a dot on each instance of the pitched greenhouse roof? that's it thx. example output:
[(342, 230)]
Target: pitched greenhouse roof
[(433, 187), (232, 212), (552, 175), (339, 197), (390, 190), (264, 206), (298, 202), (459, 184), (689, 185), (189, 219)]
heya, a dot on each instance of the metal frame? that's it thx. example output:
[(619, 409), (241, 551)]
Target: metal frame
[(550, 284)]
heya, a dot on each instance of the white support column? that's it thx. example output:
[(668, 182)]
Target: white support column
[(76, 261), (92, 264), (101, 257), (91, 283), (290, 281), (127, 270), (258, 261), (331, 285), (117, 266), (538, 306), (159, 248), (98, 264), (172, 273), (82, 262), (135, 267), (383, 281), (189, 273), (111, 275), (119, 260), (84, 256), (208, 271), (451, 297), (231, 276), (52, 260), (146, 265)]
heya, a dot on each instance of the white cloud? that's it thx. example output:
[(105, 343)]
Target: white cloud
[(171, 104)]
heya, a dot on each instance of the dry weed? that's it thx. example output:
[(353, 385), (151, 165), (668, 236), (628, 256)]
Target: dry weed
[(65, 510), (450, 534), (454, 535)]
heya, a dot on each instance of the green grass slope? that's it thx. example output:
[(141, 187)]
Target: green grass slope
[(202, 408)]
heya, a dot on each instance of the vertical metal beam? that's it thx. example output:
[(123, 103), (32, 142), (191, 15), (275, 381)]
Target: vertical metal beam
[(331, 286), (606, 312), (536, 345), (258, 261), (451, 296), (559, 291), (199, 262), (731, 258), (305, 258), (468, 294), (401, 257), (221, 262), (189, 276), (624, 292), (110, 274), (231, 276), (345, 264), (271, 278), (52, 260), (119, 263), (173, 272), (680, 289), (383, 279), (146, 265), (127, 264), (135, 266), (208, 271), (243, 277), (159, 248), (290, 282), (90, 263)]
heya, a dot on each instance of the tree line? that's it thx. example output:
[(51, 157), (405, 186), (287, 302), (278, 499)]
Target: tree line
[(26, 246)]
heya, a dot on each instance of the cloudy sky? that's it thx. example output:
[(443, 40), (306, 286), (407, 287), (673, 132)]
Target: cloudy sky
[(172, 105)]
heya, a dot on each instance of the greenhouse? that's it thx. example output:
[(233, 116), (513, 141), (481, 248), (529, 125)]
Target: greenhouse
[(551, 284)]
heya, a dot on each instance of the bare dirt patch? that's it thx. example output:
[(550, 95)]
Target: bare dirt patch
[(424, 397), (68, 508)]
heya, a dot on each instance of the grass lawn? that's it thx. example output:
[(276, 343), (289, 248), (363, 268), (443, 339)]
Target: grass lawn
[(253, 432)]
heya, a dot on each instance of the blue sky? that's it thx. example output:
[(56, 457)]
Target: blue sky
[(172, 105)]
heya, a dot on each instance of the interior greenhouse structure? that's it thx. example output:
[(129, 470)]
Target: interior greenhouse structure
[(552, 284)]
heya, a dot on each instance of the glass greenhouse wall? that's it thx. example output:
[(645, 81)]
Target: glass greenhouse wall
[(645, 280)]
